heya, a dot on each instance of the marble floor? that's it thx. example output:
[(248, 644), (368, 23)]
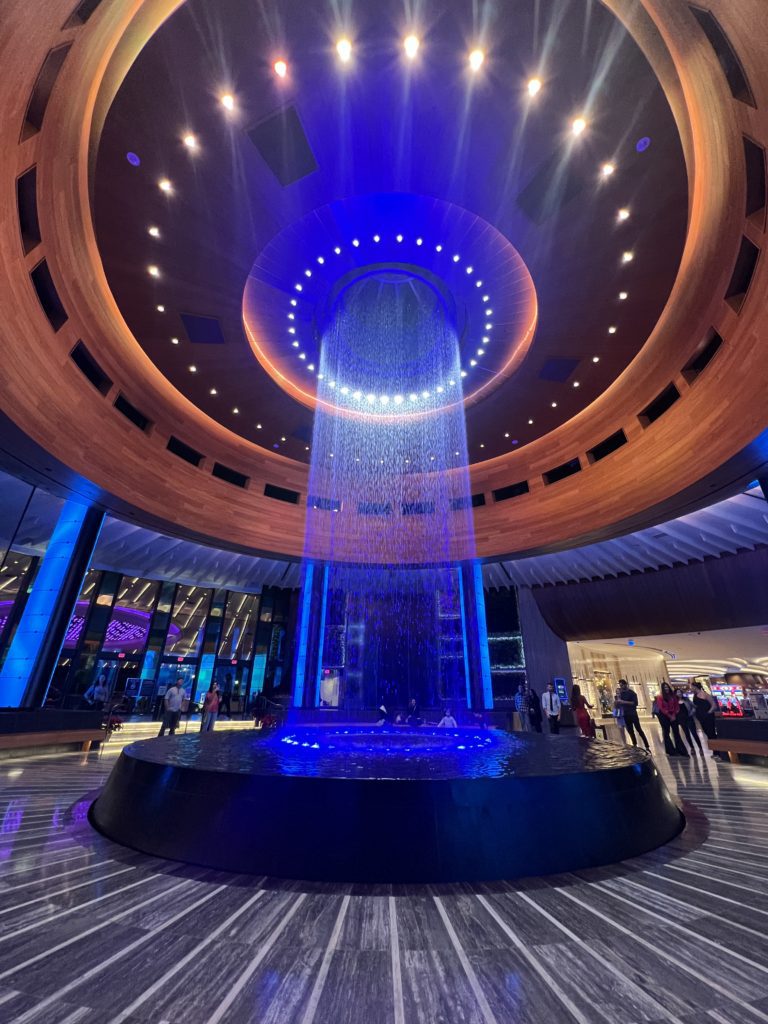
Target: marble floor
[(92, 932)]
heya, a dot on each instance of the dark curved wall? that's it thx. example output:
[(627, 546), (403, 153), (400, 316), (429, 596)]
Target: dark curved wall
[(719, 593)]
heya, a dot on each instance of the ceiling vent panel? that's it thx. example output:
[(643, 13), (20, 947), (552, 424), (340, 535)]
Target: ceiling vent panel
[(202, 330), (558, 370), (284, 147)]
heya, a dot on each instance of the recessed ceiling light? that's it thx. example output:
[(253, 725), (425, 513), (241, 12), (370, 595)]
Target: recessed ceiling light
[(486, 339), (623, 296), (355, 242), (282, 438), (595, 359), (530, 423), (607, 170), (463, 373), (411, 46), (473, 362), (478, 284), (476, 59), (302, 355), (190, 141), (507, 434), (578, 125), (165, 186), (377, 238), (153, 271), (258, 426), (228, 101), (438, 248), (337, 250), (213, 391), (419, 241), (344, 50), (489, 312), (627, 257), (612, 329), (554, 405), (320, 260), (291, 316), (160, 309), (482, 446), (174, 341), (311, 367), (295, 344), (481, 351), (154, 232), (299, 288), (534, 86), (193, 369), (306, 447), (576, 384), (623, 214), (280, 68), (308, 273), (399, 238), (456, 258), (294, 302)]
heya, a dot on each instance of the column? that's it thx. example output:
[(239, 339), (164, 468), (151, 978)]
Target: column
[(33, 654)]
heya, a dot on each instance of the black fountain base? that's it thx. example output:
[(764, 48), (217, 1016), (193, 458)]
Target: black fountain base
[(363, 804)]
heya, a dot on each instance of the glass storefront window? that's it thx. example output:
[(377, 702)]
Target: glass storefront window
[(240, 623), (185, 633), (128, 626), (14, 578)]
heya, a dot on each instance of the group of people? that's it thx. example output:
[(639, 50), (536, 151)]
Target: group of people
[(412, 716), (678, 714), (214, 703)]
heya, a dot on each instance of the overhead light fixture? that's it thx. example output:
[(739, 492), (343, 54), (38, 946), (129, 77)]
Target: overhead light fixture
[(153, 271), (595, 359), (612, 330), (476, 59), (258, 426), (174, 341), (213, 391), (344, 50), (576, 384), (623, 296), (627, 257), (280, 68), (607, 170), (530, 423), (165, 186), (228, 101), (554, 405), (193, 369), (236, 411), (190, 141), (623, 214), (578, 126), (534, 86), (154, 232), (160, 309), (411, 47)]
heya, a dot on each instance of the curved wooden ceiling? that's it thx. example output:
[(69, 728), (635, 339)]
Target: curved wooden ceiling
[(716, 426)]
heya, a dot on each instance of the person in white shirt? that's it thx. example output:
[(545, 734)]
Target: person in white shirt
[(550, 705), (448, 721), (174, 698)]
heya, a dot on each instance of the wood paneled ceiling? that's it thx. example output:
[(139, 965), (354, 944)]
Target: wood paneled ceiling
[(381, 124)]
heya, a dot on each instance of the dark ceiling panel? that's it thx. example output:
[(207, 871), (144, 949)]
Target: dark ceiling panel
[(284, 147), (558, 369), (202, 330)]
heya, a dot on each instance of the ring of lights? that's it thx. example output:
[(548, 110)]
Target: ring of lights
[(667, 467), (493, 295)]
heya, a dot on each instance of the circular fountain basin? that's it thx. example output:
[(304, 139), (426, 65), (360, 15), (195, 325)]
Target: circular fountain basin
[(366, 804)]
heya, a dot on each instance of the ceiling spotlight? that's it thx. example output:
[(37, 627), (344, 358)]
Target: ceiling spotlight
[(578, 126), (302, 355), (293, 302), (554, 405), (534, 86), (321, 260), (411, 47), (308, 273), (228, 101), (258, 426), (576, 384), (476, 59), (438, 248), (356, 242), (193, 369), (190, 141), (344, 50), (280, 68), (623, 214), (530, 423), (160, 309), (236, 411), (419, 241), (298, 287), (627, 257), (481, 352), (291, 316), (213, 391), (623, 296), (595, 359), (154, 232), (463, 373), (295, 344), (470, 270), (377, 238), (282, 439), (482, 446), (174, 341), (607, 170), (399, 238), (337, 250), (486, 339), (165, 186), (507, 434), (456, 258), (611, 330), (153, 271), (478, 284), (473, 362)]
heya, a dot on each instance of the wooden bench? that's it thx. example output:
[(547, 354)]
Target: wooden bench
[(734, 748), (52, 738)]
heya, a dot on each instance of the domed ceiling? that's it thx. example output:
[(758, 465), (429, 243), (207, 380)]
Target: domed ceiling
[(239, 125)]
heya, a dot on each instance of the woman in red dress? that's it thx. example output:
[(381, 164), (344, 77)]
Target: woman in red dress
[(581, 708)]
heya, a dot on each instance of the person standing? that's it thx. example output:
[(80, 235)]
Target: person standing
[(705, 706), (210, 708), (668, 710), (521, 707), (173, 700), (96, 696), (581, 708), (534, 710), (626, 701), (550, 706), (447, 721), (687, 718)]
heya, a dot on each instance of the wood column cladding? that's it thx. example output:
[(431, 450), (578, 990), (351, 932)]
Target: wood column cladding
[(663, 469)]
